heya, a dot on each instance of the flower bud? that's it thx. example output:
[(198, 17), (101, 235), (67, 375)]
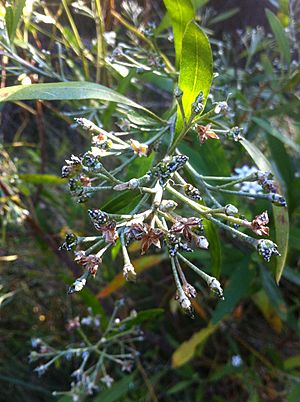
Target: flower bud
[(277, 199), (79, 284), (167, 205), (231, 210), (216, 287), (129, 272), (221, 107), (197, 106), (70, 242), (266, 248), (178, 93), (192, 192), (202, 242)]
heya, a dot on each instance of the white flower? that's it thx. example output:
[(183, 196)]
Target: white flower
[(236, 361), (107, 380)]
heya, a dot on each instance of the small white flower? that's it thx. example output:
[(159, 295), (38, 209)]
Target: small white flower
[(236, 361), (107, 380)]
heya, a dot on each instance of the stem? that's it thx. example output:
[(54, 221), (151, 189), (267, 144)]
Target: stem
[(204, 211)]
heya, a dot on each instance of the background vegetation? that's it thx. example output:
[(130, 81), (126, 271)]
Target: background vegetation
[(251, 353)]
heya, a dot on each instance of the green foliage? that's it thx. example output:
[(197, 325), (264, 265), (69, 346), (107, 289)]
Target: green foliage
[(195, 70), (181, 13)]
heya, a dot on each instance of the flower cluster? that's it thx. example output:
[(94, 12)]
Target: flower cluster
[(92, 362), (158, 223)]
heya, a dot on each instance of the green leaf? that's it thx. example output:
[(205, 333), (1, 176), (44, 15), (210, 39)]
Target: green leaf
[(42, 179), (214, 248), (195, 70), (292, 275), (281, 217), (280, 36), (9, 21), (181, 13), (122, 203), (116, 392), (224, 16), (291, 362), (12, 18), (187, 349), (274, 294), (294, 393), (269, 129), (67, 91), (237, 289)]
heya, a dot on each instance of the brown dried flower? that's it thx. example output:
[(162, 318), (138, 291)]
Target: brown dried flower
[(109, 232), (151, 236), (204, 133), (90, 262), (184, 225)]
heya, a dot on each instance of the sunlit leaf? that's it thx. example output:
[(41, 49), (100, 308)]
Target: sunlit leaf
[(195, 69), (42, 179), (181, 13), (269, 312), (67, 91), (281, 217), (186, 351)]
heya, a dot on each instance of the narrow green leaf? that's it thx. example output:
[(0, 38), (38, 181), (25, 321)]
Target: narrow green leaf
[(224, 16), (181, 13), (67, 91), (12, 18), (42, 179), (9, 21), (195, 70), (269, 129), (292, 275), (19, 5), (274, 294), (214, 248), (280, 36), (237, 289), (186, 351), (281, 217)]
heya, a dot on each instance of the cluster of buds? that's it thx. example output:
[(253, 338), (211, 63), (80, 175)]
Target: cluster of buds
[(266, 248), (265, 179), (192, 192), (197, 106), (165, 169)]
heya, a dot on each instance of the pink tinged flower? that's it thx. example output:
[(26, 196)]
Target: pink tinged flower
[(90, 262), (258, 225)]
